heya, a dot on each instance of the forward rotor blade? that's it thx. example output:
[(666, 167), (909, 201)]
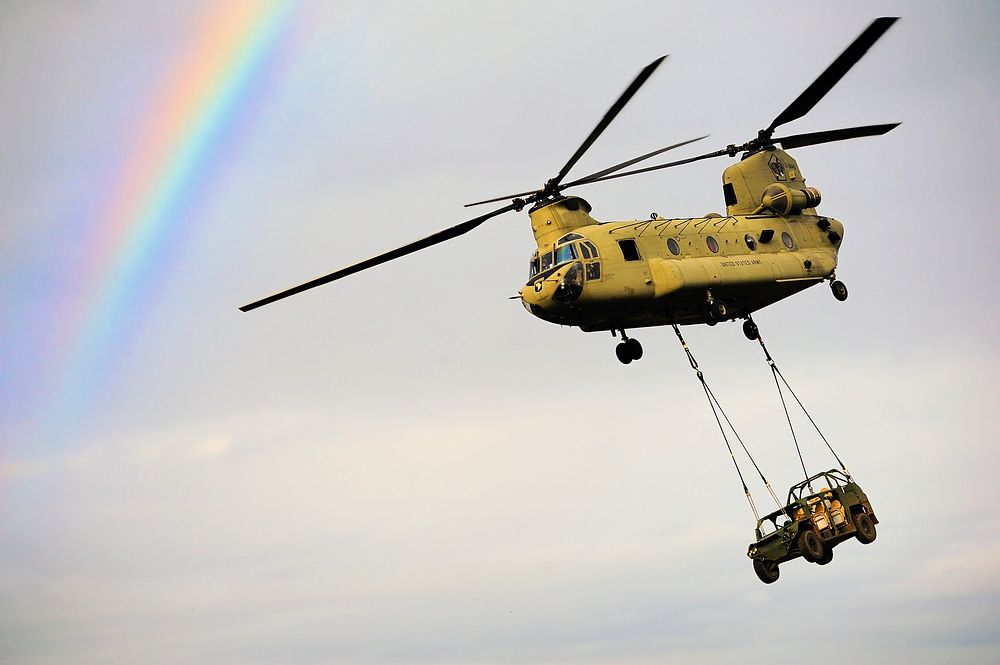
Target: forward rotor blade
[(813, 138), (502, 198), (429, 241), (594, 176), (829, 78), (615, 109), (717, 153)]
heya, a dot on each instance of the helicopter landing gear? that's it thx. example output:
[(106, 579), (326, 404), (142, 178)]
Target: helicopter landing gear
[(715, 310), (628, 349), (839, 290), (750, 330)]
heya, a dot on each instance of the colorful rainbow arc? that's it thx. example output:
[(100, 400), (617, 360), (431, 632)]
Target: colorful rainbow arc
[(167, 171)]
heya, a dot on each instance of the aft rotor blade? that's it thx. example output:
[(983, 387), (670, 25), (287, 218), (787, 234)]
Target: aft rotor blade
[(429, 241), (600, 174), (829, 78), (615, 109), (813, 138)]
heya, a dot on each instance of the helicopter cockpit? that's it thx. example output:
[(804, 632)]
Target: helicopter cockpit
[(571, 247)]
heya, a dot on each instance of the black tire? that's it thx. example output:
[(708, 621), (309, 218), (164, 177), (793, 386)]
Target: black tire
[(839, 290), (623, 353), (634, 348), (865, 528), (718, 310), (827, 555), (811, 546), (767, 571), (750, 330)]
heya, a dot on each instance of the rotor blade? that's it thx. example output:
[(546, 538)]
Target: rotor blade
[(502, 198), (618, 167), (429, 241), (615, 109), (717, 153), (813, 138), (829, 78)]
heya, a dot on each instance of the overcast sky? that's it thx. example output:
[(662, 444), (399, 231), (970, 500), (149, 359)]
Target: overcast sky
[(406, 467)]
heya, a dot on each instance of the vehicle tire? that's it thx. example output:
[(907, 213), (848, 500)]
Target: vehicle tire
[(810, 546), (706, 313), (750, 330), (623, 353), (718, 310), (634, 348), (865, 528), (839, 290), (767, 571), (827, 555)]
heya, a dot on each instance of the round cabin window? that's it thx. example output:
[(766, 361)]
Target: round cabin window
[(787, 239), (713, 245), (672, 245), (751, 242)]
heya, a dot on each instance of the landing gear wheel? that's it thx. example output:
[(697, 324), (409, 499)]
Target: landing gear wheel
[(706, 312), (839, 290), (624, 353), (634, 348), (767, 571), (865, 528), (827, 556), (718, 310), (810, 546), (750, 330)]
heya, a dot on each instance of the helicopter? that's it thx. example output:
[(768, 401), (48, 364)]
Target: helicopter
[(616, 276)]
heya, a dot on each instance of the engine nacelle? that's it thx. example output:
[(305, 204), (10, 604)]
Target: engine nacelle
[(784, 200)]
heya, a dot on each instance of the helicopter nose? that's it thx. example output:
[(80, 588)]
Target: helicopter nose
[(561, 287)]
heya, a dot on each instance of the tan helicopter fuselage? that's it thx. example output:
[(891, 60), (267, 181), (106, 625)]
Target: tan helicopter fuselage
[(630, 274)]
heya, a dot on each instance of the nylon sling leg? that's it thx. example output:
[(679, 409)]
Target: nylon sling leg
[(716, 407), (776, 373)]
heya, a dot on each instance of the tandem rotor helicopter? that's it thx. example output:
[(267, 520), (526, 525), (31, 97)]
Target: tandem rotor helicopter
[(617, 276)]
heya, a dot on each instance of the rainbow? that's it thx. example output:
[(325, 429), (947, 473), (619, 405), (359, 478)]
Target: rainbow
[(175, 151)]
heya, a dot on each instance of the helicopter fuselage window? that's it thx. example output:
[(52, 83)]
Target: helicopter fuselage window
[(565, 254), (593, 271), (672, 245), (630, 251), (533, 270), (546, 261)]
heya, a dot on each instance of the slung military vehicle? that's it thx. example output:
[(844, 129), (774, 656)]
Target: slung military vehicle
[(812, 523)]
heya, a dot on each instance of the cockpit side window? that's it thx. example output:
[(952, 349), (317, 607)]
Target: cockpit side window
[(593, 248), (546, 261), (584, 250)]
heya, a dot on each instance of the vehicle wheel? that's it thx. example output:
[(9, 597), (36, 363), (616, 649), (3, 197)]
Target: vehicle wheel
[(718, 310), (623, 353), (634, 348), (750, 330), (810, 546), (839, 290), (827, 555), (865, 528), (706, 313), (767, 571)]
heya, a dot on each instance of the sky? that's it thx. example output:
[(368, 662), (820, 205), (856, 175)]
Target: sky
[(405, 466)]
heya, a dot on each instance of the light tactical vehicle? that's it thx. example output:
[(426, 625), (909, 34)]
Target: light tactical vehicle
[(812, 523)]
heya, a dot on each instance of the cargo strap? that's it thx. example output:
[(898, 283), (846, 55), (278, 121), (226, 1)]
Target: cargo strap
[(776, 373), (716, 410)]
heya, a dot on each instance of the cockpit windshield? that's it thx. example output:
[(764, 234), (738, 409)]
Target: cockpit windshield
[(565, 254)]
